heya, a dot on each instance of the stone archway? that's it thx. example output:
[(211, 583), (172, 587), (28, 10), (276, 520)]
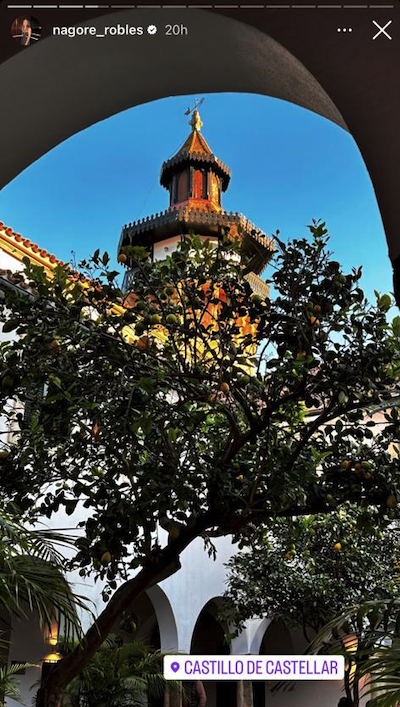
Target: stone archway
[(140, 623), (151, 619), (259, 635), (274, 638), (81, 84), (78, 85)]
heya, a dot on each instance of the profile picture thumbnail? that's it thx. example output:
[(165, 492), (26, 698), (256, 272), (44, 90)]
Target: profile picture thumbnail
[(26, 30)]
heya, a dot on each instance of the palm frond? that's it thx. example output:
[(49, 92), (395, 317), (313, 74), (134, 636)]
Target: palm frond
[(375, 655), (33, 583), (8, 670), (374, 620), (120, 674), (8, 686), (31, 573)]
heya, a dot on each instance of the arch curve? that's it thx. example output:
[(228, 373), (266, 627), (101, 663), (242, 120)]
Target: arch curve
[(72, 83), (165, 618), (258, 635), (81, 84), (207, 622)]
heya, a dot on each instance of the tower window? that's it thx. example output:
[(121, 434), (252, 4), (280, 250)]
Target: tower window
[(183, 186), (215, 190), (198, 184)]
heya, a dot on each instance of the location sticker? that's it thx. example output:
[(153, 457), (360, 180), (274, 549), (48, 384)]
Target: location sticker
[(254, 667)]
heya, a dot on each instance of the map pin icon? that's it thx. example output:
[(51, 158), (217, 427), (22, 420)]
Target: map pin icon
[(174, 667)]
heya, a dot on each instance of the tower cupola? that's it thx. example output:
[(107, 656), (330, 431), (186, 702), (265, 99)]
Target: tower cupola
[(195, 179), (194, 176)]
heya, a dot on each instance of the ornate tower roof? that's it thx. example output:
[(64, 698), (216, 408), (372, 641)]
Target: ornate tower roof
[(195, 179), (195, 142), (197, 155)]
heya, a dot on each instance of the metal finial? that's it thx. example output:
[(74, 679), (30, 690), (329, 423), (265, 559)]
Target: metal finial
[(195, 120)]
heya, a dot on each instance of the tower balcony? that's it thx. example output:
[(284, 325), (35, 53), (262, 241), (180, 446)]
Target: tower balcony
[(256, 246)]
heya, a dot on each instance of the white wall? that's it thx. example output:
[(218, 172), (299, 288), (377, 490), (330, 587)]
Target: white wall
[(8, 262), (27, 645)]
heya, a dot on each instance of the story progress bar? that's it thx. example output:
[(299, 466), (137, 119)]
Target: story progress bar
[(200, 7)]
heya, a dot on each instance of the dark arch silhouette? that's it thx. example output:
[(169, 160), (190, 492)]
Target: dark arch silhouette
[(69, 84), (209, 638)]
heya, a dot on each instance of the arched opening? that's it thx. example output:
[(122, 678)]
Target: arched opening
[(268, 149), (78, 85), (140, 623), (274, 638), (148, 624), (209, 638), (275, 641), (150, 619), (24, 640), (66, 101), (167, 628)]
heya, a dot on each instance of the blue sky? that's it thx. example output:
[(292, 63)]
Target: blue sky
[(288, 166)]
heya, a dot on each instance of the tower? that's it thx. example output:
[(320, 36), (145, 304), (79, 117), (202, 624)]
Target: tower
[(196, 179)]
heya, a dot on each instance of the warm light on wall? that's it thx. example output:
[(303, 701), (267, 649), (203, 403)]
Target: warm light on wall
[(52, 658), (52, 636)]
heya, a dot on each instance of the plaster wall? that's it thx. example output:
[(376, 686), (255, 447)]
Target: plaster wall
[(169, 245), (199, 580), (27, 645), (164, 248), (8, 262)]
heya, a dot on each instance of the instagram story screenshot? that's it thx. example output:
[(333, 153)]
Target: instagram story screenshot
[(200, 354)]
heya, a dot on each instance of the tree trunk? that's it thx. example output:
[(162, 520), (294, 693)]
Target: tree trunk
[(347, 684), (173, 696), (244, 693), (51, 693), (49, 698), (356, 692)]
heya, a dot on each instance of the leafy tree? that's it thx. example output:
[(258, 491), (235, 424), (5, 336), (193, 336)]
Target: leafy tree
[(200, 407), (303, 571)]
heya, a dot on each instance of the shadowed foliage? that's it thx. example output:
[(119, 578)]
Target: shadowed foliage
[(201, 407)]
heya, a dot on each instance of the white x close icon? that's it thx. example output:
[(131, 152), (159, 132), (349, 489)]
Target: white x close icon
[(382, 29)]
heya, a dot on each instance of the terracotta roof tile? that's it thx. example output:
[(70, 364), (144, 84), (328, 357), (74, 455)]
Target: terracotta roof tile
[(17, 246), (48, 260)]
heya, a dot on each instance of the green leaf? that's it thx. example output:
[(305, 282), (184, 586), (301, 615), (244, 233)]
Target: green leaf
[(396, 326), (384, 302), (10, 325), (173, 434)]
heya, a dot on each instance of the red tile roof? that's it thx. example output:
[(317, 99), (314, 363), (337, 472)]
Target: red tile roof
[(15, 244), (19, 247)]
